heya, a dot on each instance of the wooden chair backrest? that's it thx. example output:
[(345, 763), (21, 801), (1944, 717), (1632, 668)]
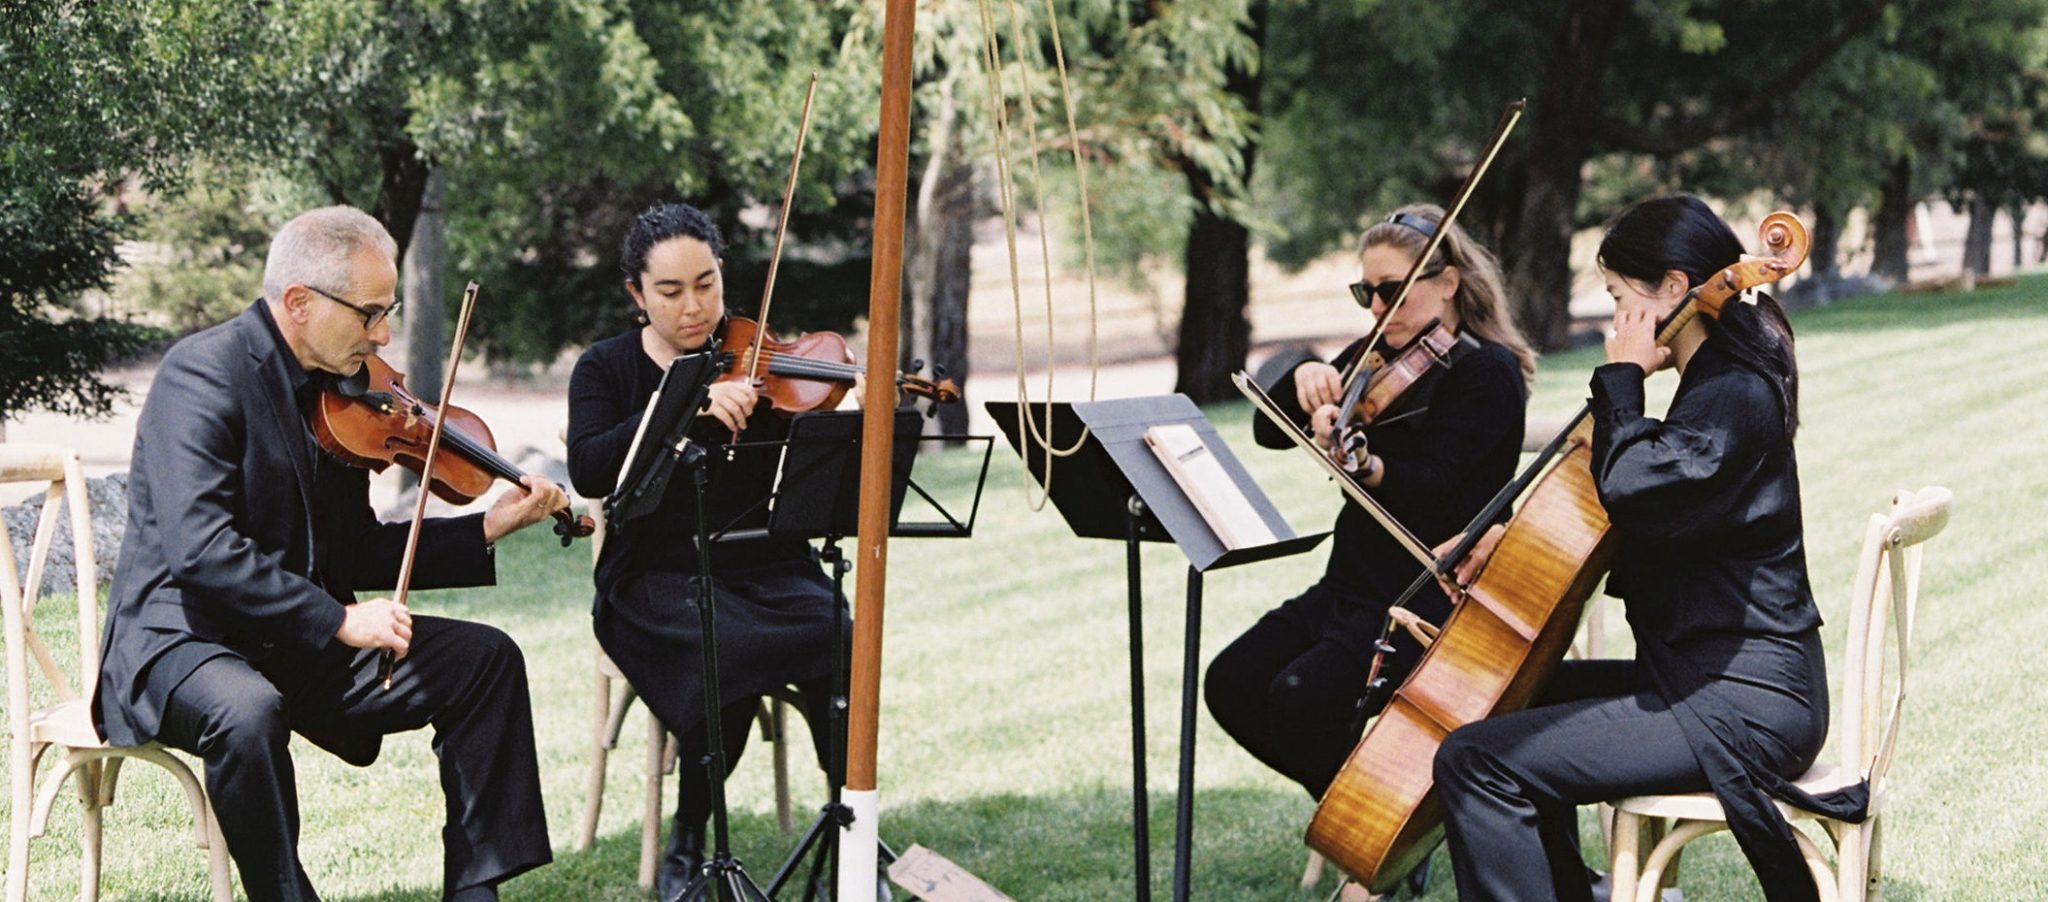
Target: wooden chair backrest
[(1886, 596), (58, 469)]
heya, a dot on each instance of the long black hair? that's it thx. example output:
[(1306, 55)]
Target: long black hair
[(1680, 232), (659, 223)]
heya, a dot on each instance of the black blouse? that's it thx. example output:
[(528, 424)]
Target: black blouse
[(1449, 443), (1712, 567)]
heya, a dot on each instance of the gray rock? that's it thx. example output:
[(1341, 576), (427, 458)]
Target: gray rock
[(108, 497)]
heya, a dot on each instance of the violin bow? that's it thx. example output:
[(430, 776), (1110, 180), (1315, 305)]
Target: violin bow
[(1407, 540), (796, 162), (1501, 128), (419, 509)]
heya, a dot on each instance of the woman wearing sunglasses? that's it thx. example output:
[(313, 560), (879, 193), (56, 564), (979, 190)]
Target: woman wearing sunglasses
[(1288, 690)]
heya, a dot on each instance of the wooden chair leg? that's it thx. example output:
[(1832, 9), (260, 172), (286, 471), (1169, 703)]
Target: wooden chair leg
[(1851, 862), (1670, 839), (593, 786), (650, 814), (22, 799), (1312, 873), (219, 871), (779, 719), (89, 832), (1817, 864), (1625, 856)]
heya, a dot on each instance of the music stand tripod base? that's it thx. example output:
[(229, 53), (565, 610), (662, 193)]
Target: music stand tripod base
[(1114, 487)]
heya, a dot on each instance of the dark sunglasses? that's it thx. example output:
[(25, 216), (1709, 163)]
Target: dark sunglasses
[(1388, 290), (371, 315)]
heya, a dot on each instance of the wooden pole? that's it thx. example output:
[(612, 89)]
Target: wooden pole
[(857, 852)]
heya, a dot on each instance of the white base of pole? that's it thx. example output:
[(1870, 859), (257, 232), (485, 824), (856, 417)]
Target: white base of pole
[(859, 843)]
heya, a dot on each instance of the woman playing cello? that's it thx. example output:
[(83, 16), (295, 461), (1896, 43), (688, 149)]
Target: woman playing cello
[(1728, 689), (775, 606), (1288, 689)]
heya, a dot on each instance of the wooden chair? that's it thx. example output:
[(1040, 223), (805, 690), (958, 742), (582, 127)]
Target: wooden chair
[(609, 719), (1886, 593), (66, 726)]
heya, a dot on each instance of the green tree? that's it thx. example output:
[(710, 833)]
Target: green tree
[(1378, 97), (100, 100)]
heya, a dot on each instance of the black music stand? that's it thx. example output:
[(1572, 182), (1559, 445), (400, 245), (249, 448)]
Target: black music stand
[(1115, 488), (659, 449), (817, 496)]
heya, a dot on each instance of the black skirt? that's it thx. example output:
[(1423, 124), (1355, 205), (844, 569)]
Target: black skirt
[(774, 625)]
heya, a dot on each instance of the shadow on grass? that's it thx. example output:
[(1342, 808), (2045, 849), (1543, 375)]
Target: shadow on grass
[(1071, 846)]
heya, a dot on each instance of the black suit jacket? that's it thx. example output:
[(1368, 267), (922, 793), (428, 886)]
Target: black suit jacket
[(243, 538)]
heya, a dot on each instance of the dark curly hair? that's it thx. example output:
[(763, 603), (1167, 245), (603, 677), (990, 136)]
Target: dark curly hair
[(1681, 232), (659, 223)]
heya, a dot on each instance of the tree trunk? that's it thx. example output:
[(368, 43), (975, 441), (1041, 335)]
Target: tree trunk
[(1539, 246), (952, 274), (1827, 244), (1894, 208), (426, 259), (941, 270), (402, 179), (1824, 264), (1977, 240), (1540, 276), (1215, 335), (2018, 215)]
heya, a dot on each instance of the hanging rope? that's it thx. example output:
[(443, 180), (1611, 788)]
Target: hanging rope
[(1029, 429)]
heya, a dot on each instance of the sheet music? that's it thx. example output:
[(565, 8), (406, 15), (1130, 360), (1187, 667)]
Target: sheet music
[(1202, 479)]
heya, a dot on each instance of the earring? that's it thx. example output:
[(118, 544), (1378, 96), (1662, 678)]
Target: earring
[(639, 316)]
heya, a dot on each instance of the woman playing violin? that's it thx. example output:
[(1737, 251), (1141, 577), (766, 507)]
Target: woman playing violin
[(775, 606), (1288, 689), (1728, 687)]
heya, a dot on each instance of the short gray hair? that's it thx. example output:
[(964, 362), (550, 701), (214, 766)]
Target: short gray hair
[(318, 248)]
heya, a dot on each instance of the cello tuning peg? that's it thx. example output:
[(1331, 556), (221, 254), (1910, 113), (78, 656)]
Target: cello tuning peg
[(916, 364), (938, 370)]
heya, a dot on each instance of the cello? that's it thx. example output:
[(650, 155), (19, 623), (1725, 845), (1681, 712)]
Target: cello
[(1508, 628)]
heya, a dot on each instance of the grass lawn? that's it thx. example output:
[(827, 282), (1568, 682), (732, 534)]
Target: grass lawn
[(1005, 725)]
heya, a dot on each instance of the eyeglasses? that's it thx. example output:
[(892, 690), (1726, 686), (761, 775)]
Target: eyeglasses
[(371, 315), (1387, 290)]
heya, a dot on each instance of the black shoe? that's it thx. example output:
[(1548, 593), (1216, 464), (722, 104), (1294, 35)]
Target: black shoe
[(681, 862)]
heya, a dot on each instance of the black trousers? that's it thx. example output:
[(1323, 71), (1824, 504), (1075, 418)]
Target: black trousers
[(1288, 689), (693, 776), (466, 680), (775, 628), (1510, 786)]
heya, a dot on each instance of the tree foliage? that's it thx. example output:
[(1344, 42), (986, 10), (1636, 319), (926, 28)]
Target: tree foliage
[(98, 98), (1380, 103)]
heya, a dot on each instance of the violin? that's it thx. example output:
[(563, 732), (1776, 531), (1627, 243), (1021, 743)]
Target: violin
[(371, 420), (810, 372), (1367, 398)]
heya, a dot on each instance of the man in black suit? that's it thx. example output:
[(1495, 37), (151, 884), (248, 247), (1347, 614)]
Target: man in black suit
[(232, 620)]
